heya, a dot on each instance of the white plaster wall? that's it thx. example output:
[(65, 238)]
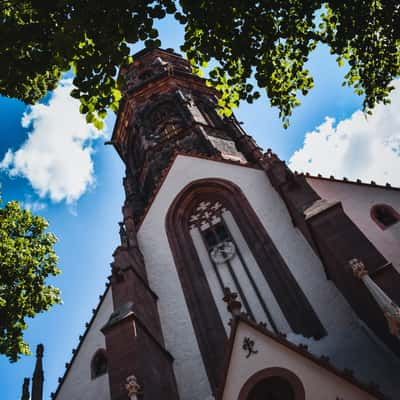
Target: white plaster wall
[(78, 384), (348, 343), (318, 382), (357, 202)]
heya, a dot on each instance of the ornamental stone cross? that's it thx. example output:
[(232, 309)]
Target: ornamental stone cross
[(234, 306)]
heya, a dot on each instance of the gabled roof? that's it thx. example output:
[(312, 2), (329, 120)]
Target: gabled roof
[(302, 349)]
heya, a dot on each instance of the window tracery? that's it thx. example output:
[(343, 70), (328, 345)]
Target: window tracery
[(224, 254)]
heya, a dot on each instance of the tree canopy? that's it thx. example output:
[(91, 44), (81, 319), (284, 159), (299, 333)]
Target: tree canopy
[(27, 258), (270, 40)]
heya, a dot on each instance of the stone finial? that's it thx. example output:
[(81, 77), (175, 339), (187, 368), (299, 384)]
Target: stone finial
[(133, 388), (123, 234), (25, 390), (234, 306), (39, 350), (165, 65), (38, 375), (358, 268), (390, 309), (270, 156)]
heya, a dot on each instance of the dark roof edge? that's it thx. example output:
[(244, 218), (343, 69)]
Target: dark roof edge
[(68, 365), (144, 51), (346, 180)]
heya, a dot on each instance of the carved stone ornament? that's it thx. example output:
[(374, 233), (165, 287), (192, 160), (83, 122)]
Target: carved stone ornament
[(233, 305), (318, 207), (227, 148), (133, 388), (206, 214), (390, 309), (248, 345), (123, 235), (164, 65), (223, 252)]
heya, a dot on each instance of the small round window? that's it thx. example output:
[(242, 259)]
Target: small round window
[(384, 215)]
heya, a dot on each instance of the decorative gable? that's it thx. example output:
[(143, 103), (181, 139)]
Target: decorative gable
[(261, 364)]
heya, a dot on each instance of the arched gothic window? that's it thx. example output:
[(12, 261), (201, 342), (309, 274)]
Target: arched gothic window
[(99, 364), (205, 224), (384, 215)]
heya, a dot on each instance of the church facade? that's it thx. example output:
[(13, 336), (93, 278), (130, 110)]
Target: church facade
[(236, 278)]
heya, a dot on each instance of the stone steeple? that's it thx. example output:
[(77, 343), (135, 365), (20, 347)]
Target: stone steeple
[(38, 376), (166, 109)]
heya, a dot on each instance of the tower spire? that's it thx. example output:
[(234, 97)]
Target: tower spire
[(38, 376), (25, 389)]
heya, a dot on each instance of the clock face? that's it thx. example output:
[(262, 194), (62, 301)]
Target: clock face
[(223, 252)]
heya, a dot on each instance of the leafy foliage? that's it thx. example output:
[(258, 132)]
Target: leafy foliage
[(27, 258), (270, 40)]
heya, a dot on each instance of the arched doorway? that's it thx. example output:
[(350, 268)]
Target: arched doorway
[(274, 388), (273, 384)]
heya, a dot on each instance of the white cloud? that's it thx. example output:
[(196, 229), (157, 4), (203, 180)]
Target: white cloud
[(56, 157), (33, 205), (357, 147)]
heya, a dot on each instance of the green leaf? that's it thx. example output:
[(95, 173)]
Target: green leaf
[(269, 42), (27, 259)]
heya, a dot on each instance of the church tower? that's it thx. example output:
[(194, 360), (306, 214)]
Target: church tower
[(210, 219)]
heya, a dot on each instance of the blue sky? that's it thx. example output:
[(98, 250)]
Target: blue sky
[(60, 168)]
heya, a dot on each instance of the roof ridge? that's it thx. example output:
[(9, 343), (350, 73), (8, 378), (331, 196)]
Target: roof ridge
[(346, 180)]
